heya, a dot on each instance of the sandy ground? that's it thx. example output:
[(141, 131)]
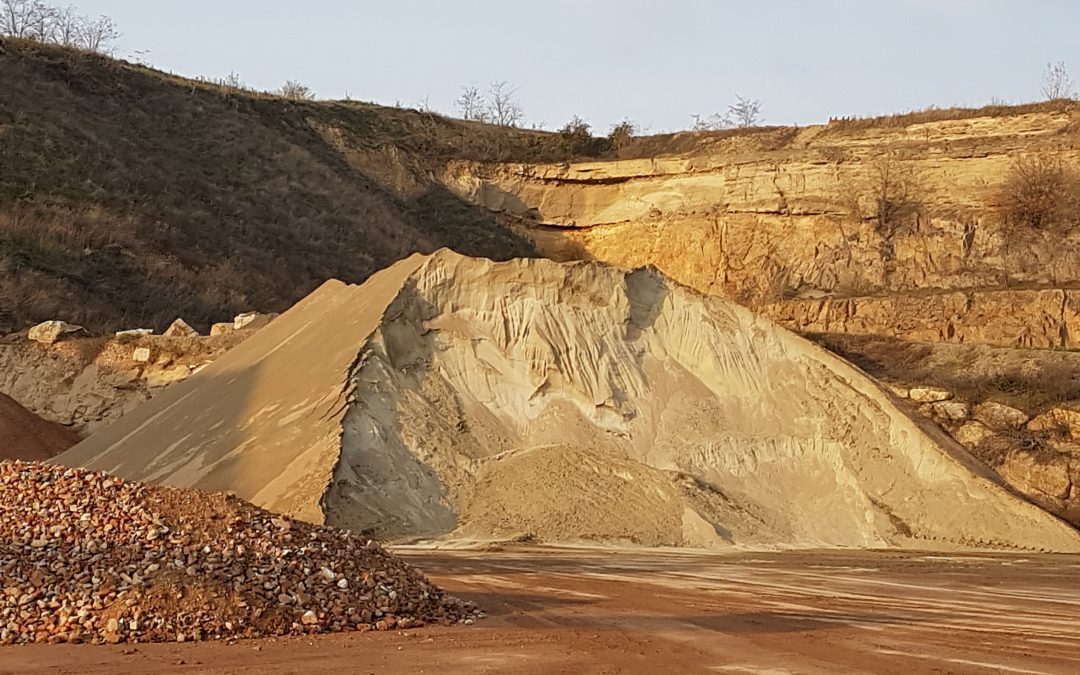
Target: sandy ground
[(590, 611)]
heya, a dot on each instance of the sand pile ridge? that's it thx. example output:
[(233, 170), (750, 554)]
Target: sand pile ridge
[(452, 396), (89, 557)]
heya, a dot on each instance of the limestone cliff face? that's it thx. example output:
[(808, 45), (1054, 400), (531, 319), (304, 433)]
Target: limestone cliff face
[(787, 221)]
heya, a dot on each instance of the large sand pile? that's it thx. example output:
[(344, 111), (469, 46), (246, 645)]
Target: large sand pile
[(455, 396)]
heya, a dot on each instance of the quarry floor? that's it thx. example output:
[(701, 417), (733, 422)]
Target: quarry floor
[(605, 611)]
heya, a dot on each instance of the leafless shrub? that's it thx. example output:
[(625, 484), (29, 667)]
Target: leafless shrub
[(744, 113), (894, 186), (1039, 192), (499, 105), (503, 106), (621, 135), (296, 91), (470, 103), (1056, 82)]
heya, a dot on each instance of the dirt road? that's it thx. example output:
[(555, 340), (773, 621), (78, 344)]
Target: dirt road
[(589, 611)]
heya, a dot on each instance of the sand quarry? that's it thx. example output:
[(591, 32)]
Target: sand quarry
[(624, 474)]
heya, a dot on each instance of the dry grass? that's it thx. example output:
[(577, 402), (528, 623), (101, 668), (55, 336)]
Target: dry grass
[(933, 114), (128, 197)]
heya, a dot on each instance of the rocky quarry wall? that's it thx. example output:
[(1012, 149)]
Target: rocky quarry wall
[(788, 221), (456, 397)]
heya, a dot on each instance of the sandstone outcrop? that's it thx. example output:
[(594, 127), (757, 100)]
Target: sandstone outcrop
[(789, 220), (456, 397)]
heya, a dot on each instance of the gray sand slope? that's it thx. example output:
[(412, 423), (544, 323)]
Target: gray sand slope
[(451, 396)]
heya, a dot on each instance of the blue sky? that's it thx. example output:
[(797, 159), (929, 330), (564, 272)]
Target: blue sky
[(656, 63)]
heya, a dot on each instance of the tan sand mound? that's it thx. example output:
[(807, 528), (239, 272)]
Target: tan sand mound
[(24, 435), (450, 396), (89, 557)]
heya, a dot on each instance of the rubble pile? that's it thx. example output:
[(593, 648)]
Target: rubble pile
[(86, 557)]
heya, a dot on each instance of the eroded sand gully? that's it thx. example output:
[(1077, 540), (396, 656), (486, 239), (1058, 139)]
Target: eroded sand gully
[(612, 610), (457, 397)]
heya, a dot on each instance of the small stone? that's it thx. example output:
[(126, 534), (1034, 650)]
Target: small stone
[(951, 411), (221, 329), (49, 332), (180, 328), (309, 618), (929, 394), (1000, 417), (972, 434), (141, 355)]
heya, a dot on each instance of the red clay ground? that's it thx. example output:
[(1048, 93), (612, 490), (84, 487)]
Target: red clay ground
[(589, 611)]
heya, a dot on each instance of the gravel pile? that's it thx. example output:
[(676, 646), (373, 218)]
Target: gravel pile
[(86, 557)]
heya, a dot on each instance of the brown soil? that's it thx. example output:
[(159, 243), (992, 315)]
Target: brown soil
[(590, 611), (24, 435)]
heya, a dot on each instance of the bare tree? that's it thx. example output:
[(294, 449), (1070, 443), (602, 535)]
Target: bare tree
[(1056, 82), (233, 81), (36, 20), (98, 35), (745, 112), (297, 91), (503, 106), (24, 19), (470, 103)]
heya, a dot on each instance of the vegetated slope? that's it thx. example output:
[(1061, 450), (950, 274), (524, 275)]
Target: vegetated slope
[(452, 396), (24, 435), (128, 197)]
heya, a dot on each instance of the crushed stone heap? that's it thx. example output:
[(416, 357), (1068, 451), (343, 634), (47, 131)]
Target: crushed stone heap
[(456, 397), (88, 557)]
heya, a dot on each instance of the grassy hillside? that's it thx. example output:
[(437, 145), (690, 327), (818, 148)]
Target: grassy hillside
[(129, 197)]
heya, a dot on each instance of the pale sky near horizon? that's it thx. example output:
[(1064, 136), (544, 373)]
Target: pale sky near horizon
[(655, 63)]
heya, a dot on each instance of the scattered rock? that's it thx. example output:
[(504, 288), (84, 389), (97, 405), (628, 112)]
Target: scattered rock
[(929, 394), (49, 332), (1064, 420), (1000, 417), (252, 320), (134, 333), (180, 328), (1037, 477), (141, 355), (951, 411), (971, 434)]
